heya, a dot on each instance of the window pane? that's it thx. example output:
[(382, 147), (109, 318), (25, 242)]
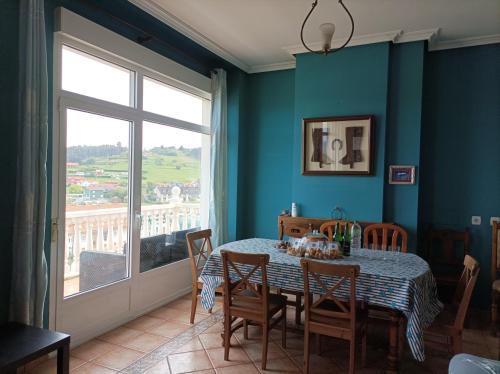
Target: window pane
[(169, 101), (91, 76), (171, 192), (97, 176)]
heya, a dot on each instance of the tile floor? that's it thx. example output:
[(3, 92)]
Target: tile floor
[(137, 342)]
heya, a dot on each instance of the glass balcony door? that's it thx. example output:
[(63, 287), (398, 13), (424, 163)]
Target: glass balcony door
[(130, 178), (96, 214)]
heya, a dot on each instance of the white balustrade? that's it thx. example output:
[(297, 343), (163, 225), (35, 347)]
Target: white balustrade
[(105, 230)]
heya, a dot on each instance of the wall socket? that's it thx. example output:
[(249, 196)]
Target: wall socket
[(476, 220), (494, 219)]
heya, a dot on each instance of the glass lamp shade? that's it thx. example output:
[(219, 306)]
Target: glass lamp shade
[(327, 30)]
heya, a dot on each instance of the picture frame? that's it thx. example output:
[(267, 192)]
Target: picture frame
[(338, 145), (401, 174)]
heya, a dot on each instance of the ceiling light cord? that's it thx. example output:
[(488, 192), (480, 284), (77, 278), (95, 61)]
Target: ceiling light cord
[(326, 51)]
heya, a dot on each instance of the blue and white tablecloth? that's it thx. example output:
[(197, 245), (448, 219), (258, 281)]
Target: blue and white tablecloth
[(400, 281)]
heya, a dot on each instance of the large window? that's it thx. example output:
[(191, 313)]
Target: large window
[(135, 148)]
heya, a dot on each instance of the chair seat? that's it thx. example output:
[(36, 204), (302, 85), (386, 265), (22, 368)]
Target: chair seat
[(330, 306), (276, 303), (496, 285), (443, 324)]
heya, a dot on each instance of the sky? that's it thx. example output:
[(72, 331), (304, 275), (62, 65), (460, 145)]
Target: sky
[(90, 76)]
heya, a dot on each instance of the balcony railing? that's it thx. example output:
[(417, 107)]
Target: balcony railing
[(105, 230)]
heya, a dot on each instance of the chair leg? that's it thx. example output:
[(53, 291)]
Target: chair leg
[(352, 355), (298, 309), (283, 327), (245, 329), (307, 350), (494, 306), (194, 301), (401, 332), (227, 336), (456, 340), (363, 349), (318, 344), (265, 339)]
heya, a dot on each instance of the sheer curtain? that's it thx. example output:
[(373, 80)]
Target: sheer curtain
[(218, 159), (29, 270)]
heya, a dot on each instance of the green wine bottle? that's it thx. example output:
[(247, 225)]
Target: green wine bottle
[(346, 245), (338, 235)]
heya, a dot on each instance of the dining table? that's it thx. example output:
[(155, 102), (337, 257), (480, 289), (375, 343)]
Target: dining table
[(400, 282)]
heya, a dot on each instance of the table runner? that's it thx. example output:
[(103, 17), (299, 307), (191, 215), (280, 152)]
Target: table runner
[(401, 281)]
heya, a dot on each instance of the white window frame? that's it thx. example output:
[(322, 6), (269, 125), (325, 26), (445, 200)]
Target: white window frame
[(78, 33)]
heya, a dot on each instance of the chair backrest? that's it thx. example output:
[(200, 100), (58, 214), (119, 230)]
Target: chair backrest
[(312, 271), (328, 228), (464, 289), (495, 250), (238, 268), (198, 253), (447, 247), (385, 236)]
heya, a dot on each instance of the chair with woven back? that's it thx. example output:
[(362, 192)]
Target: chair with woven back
[(386, 237), (198, 255), (495, 268), (337, 316), (328, 228), (247, 297), (449, 323)]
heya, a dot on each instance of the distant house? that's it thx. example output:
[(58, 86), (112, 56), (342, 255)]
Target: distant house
[(94, 192), (161, 191)]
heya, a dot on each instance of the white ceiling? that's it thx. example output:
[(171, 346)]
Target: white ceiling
[(260, 35)]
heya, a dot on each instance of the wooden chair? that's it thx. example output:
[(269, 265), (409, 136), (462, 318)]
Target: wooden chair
[(450, 323), (328, 228), (198, 254), (495, 267), (376, 236), (249, 301), (331, 315), (445, 250), (297, 227)]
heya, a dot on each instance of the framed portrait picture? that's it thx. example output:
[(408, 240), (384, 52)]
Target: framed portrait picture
[(338, 145), (401, 174)]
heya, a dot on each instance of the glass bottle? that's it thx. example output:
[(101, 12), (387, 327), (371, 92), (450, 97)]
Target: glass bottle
[(346, 244), (337, 237), (356, 233)]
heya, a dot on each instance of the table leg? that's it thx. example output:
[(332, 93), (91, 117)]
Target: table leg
[(393, 357), (63, 359)]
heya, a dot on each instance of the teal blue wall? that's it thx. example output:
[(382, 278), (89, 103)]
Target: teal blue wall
[(267, 168), (353, 81), (403, 133), (377, 79), (461, 147), (8, 117)]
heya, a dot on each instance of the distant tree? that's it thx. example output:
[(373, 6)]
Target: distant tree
[(75, 189)]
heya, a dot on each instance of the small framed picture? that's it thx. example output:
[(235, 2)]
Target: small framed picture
[(401, 174)]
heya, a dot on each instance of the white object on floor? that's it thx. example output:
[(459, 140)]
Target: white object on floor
[(469, 364)]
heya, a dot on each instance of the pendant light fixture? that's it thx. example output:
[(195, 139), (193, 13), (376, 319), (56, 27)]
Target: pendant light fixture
[(327, 30)]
